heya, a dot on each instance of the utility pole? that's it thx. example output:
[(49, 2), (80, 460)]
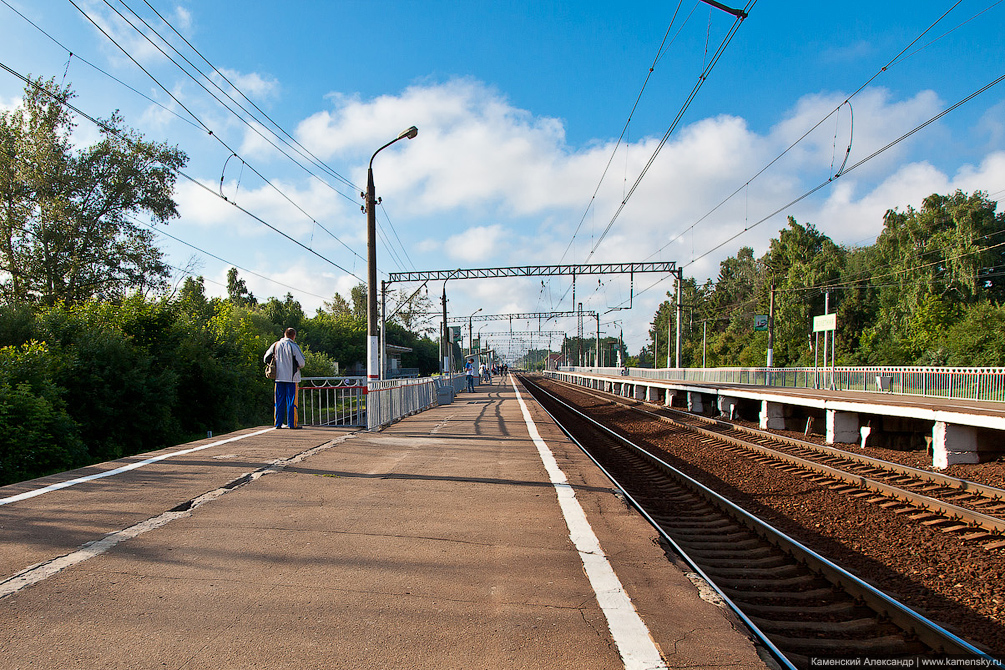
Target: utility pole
[(771, 325), (669, 337), (827, 310), (445, 338), (680, 314)]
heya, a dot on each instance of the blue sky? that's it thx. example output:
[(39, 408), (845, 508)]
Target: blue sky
[(520, 106)]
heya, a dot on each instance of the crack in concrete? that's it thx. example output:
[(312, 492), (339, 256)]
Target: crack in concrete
[(42, 571)]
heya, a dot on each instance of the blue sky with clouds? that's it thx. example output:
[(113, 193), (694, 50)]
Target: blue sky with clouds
[(520, 107)]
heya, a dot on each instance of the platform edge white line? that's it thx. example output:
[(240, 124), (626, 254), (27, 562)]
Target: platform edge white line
[(631, 635)]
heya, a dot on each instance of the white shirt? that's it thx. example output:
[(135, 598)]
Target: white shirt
[(285, 350)]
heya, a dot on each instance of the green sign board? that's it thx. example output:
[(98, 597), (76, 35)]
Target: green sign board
[(760, 322)]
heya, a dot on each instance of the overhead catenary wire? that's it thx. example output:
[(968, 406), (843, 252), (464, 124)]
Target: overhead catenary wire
[(680, 113), (98, 69), (114, 131), (283, 136), (830, 180), (659, 54), (638, 98), (851, 168), (164, 233), (847, 101), (209, 131), (307, 153)]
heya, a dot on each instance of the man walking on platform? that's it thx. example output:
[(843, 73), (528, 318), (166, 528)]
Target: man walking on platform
[(288, 361)]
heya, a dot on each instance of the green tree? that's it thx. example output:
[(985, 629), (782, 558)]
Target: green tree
[(359, 300), (802, 260), (37, 434), (237, 290), (412, 310), (338, 306), (286, 313), (68, 232), (947, 253)]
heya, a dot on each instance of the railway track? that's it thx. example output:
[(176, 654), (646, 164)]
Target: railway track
[(801, 605), (972, 511)]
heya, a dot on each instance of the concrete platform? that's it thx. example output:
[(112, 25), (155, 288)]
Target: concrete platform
[(437, 543)]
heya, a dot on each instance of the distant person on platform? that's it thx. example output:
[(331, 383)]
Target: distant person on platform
[(469, 372), (289, 360)]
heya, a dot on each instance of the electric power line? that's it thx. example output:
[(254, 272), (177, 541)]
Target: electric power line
[(200, 122), (847, 101), (117, 133)]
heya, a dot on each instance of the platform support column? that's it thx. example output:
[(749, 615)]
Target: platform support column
[(728, 406), (842, 427), (694, 403), (952, 444), (772, 416)]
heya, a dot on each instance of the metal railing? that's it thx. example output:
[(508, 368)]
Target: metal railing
[(349, 402), (391, 400), (958, 383), (332, 401)]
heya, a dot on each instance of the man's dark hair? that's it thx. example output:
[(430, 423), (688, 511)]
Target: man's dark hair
[(291, 333)]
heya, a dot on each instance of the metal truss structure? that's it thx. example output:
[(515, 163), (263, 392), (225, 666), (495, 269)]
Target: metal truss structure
[(519, 316), (534, 271), (669, 267)]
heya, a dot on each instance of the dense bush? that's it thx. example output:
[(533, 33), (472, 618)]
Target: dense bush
[(99, 381)]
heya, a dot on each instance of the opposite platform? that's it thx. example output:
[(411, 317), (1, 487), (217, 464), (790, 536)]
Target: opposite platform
[(439, 542)]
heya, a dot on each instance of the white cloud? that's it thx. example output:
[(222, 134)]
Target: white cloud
[(476, 244), (10, 105), (183, 18), (253, 84), (488, 184)]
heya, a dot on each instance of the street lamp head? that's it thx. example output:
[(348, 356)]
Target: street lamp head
[(409, 133)]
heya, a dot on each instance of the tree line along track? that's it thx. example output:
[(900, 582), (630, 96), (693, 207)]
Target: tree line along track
[(808, 615), (972, 511)]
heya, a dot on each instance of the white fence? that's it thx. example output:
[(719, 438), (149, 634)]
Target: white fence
[(959, 383), (349, 402), (332, 401), (391, 400)]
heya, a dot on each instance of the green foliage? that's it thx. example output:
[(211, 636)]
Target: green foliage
[(916, 297), (37, 435), (66, 228), (97, 381)]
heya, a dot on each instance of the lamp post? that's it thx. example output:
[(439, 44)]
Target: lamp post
[(471, 342), (373, 371), (482, 347), (447, 349)]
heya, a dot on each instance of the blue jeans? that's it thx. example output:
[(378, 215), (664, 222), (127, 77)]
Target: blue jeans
[(286, 409), (471, 383)]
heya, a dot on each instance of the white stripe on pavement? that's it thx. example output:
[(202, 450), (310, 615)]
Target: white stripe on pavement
[(631, 636), (124, 468)]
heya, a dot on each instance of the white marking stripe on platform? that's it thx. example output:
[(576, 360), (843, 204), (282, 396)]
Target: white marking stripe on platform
[(124, 468), (635, 644)]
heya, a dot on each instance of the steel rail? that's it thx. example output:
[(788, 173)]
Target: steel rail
[(762, 638), (927, 475), (929, 632), (994, 524), (931, 504)]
